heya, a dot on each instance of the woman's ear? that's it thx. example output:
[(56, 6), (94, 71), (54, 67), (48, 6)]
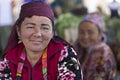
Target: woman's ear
[(100, 35), (19, 34), (18, 31)]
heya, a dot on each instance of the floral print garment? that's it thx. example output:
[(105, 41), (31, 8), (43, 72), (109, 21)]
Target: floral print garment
[(5, 73), (100, 64), (69, 66)]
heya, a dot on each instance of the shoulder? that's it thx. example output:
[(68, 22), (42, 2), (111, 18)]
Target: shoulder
[(15, 52), (102, 50), (102, 46), (67, 52), (5, 73), (69, 65)]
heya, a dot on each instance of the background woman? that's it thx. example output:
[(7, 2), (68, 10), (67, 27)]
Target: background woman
[(96, 57)]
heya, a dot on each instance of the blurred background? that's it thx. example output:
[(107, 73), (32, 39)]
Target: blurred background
[(68, 14)]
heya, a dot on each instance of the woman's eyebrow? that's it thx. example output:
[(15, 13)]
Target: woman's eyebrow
[(30, 24), (45, 24)]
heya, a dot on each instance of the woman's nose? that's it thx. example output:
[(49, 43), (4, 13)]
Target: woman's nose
[(37, 33), (86, 36)]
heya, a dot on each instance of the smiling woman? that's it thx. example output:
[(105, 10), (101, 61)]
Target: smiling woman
[(34, 52), (96, 57), (35, 32)]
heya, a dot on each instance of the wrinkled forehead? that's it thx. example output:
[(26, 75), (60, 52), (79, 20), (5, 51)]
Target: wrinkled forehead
[(37, 19)]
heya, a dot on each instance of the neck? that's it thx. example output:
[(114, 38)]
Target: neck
[(33, 57)]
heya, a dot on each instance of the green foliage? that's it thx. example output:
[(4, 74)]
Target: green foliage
[(114, 22), (114, 25), (66, 21)]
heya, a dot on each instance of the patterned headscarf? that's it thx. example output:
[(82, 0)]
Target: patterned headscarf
[(38, 8), (96, 19)]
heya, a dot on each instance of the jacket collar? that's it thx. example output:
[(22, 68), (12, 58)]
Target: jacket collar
[(53, 48)]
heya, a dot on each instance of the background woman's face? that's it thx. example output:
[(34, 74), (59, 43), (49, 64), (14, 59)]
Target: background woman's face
[(36, 33), (88, 34)]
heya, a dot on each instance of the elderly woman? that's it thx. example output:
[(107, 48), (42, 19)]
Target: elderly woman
[(34, 53), (96, 57)]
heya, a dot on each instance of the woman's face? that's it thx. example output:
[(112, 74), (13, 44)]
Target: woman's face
[(36, 33), (88, 34)]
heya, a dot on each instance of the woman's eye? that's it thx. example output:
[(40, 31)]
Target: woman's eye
[(81, 32), (30, 27), (45, 28), (90, 32)]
